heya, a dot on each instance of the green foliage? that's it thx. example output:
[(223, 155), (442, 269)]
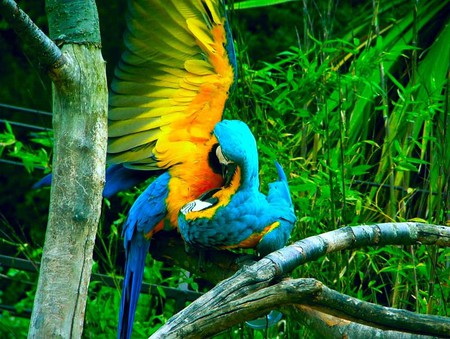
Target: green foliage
[(246, 4), (353, 102), (17, 286), (32, 154), (359, 123)]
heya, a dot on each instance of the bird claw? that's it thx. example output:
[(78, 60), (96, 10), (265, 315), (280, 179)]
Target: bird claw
[(201, 260), (266, 321), (188, 248), (246, 260), (192, 250)]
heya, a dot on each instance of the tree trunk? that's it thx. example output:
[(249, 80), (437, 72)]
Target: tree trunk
[(80, 136)]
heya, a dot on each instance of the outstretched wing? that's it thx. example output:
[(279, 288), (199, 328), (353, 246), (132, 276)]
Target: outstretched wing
[(172, 82)]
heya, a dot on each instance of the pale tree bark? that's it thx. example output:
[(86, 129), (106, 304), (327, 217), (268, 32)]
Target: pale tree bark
[(80, 101), (255, 290)]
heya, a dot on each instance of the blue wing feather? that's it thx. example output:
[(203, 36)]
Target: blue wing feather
[(279, 198), (279, 190), (118, 178), (44, 182)]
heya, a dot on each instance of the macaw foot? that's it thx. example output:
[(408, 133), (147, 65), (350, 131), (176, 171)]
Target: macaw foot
[(201, 260), (266, 321), (189, 249), (246, 260), (193, 251)]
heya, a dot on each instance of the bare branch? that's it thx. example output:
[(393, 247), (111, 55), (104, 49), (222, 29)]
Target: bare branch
[(49, 56), (217, 314), (223, 311), (246, 281), (217, 265), (402, 233), (328, 325), (249, 293), (379, 316)]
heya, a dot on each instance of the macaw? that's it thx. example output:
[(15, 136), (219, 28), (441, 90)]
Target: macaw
[(169, 91), (238, 215), (168, 94)]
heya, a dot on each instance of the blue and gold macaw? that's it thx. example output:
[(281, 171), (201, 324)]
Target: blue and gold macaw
[(238, 215), (168, 94)]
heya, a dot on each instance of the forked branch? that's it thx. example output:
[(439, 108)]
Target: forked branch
[(256, 289)]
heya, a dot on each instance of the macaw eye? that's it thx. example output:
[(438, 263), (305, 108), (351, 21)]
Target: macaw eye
[(213, 161), (222, 158)]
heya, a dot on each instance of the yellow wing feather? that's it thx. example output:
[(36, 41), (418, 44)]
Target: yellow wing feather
[(172, 83)]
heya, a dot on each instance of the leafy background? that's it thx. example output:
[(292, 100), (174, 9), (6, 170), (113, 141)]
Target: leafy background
[(350, 97)]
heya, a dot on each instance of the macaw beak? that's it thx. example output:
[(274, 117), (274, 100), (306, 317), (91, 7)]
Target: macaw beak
[(228, 172)]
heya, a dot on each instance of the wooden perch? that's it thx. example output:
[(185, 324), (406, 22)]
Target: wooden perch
[(256, 289), (328, 325)]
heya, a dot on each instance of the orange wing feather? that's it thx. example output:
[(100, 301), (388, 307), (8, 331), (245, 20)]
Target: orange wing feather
[(169, 91), (172, 83)]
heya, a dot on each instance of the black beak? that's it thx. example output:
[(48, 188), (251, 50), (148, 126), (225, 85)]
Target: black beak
[(228, 172)]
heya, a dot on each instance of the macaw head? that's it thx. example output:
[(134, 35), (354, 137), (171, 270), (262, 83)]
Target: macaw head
[(236, 148)]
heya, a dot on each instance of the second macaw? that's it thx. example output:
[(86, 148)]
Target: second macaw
[(238, 215)]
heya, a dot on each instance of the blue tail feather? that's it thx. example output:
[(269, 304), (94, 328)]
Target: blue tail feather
[(279, 190), (147, 211), (136, 251)]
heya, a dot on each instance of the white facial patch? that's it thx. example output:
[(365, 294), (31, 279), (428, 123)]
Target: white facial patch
[(195, 206), (222, 158)]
